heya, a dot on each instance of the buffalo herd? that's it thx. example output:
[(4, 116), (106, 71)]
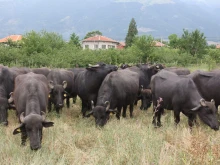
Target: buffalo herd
[(105, 89)]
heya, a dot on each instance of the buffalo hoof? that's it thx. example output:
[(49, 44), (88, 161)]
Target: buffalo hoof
[(156, 125)]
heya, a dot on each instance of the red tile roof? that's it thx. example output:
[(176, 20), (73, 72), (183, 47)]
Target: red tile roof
[(218, 46), (12, 37), (121, 45), (158, 44), (98, 38)]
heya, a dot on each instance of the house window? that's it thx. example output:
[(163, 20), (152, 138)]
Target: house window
[(86, 46), (96, 46), (111, 46), (103, 46)]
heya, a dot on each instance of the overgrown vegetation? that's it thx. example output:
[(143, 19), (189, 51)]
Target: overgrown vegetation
[(50, 50)]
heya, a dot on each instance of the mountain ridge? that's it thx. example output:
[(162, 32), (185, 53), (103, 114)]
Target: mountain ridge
[(111, 17)]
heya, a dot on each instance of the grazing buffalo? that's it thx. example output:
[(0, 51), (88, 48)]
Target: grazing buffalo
[(75, 73), (7, 76), (119, 89), (88, 82), (61, 86), (207, 84), (44, 71), (145, 72), (180, 94), (30, 97), (178, 71)]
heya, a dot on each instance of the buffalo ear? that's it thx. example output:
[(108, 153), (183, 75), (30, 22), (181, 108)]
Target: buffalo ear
[(47, 124), (19, 129), (202, 102), (11, 99), (51, 85), (64, 84)]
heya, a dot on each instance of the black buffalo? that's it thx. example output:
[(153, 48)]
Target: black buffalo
[(179, 93), (118, 90), (61, 84), (44, 71), (75, 71), (7, 77), (89, 81), (178, 71), (145, 72), (30, 97), (207, 84)]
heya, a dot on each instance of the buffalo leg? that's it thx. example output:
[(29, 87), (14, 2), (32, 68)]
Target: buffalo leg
[(68, 102), (74, 99), (49, 105), (131, 110), (23, 137), (84, 108), (124, 111), (177, 116), (118, 114)]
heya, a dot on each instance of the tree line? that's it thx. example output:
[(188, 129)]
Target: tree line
[(38, 49)]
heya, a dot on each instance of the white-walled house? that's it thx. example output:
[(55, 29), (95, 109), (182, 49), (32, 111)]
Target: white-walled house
[(99, 42)]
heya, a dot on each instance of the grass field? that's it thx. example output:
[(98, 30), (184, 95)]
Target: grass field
[(74, 140)]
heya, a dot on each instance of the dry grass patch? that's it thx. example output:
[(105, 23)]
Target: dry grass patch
[(74, 140)]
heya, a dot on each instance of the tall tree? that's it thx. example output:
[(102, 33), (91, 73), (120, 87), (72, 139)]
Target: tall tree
[(174, 41), (193, 42), (92, 33), (143, 47), (74, 40), (132, 32)]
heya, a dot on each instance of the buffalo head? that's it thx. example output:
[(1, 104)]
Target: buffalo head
[(208, 113), (101, 113), (57, 93), (31, 126), (146, 98), (102, 67)]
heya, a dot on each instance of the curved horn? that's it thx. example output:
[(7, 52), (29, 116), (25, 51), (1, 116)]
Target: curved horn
[(108, 105), (213, 101), (196, 108), (94, 66), (22, 117), (11, 99), (113, 110), (202, 102), (43, 115), (90, 113), (51, 85), (64, 84), (92, 104)]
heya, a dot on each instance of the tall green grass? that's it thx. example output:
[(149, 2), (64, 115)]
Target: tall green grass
[(76, 140)]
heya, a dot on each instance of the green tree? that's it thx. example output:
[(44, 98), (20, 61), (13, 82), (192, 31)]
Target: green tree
[(92, 33), (74, 40), (143, 47), (193, 43), (41, 42), (132, 32), (174, 41)]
